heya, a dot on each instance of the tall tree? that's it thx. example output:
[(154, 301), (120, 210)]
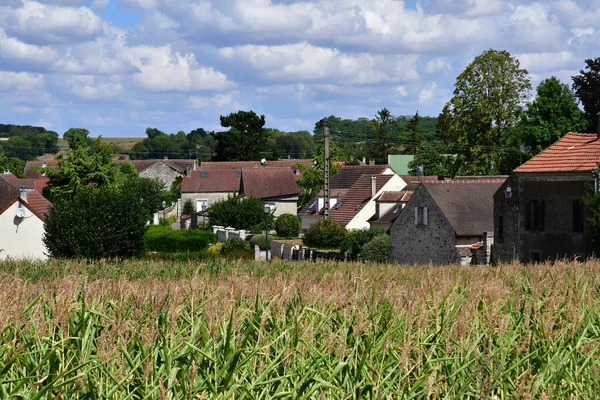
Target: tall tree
[(383, 136), (246, 140), (587, 88), (76, 137), (487, 104), (412, 146), (553, 113)]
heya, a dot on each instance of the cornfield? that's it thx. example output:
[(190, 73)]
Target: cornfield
[(227, 330)]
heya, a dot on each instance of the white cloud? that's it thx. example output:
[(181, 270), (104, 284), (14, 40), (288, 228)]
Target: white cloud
[(44, 24), (401, 90), (21, 81), (544, 62), (431, 93), (90, 87), (100, 4), (162, 70), (437, 65), (13, 51)]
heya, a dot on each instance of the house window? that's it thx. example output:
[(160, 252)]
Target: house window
[(421, 217), (501, 228), (535, 256), (577, 216), (534, 215), (201, 204)]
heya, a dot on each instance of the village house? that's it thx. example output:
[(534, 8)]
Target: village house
[(166, 170), (204, 188), (388, 206), (22, 215), (275, 186), (444, 221), (339, 186), (238, 165), (539, 213)]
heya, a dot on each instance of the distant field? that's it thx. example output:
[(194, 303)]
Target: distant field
[(244, 330), (123, 142)]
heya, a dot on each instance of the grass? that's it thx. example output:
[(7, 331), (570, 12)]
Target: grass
[(226, 329)]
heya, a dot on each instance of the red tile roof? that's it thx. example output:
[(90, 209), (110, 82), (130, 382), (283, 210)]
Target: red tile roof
[(9, 176), (215, 165), (212, 181), (38, 204), (348, 175), (35, 202), (356, 198), (265, 183), (574, 152), (32, 167)]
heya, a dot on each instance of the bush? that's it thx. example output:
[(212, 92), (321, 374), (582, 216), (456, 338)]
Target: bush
[(94, 223), (260, 240), (328, 234), (168, 240), (377, 250), (215, 249), (355, 240), (287, 225), (188, 207), (237, 248), (239, 213)]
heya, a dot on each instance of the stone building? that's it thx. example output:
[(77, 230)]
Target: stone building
[(165, 170), (538, 212), (208, 187), (388, 206), (442, 220), (275, 186)]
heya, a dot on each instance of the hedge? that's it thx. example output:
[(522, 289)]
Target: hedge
[(165, 239)]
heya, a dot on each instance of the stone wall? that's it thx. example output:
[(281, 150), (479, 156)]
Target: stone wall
[(284, 205), (422, 244), (225, 234), (162, 171), (211, 197)]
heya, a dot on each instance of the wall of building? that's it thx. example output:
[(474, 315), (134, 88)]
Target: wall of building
[(284, 205), (162, 171), (21, 238), (505, 245), (306, 221), (422, 244), (211, 197)]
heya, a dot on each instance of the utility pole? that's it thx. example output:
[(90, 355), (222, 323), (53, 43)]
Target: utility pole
[(326, 175)]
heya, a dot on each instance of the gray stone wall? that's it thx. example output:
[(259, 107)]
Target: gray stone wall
[(505, 245), (422, 244), (160, 170), (284, 205)]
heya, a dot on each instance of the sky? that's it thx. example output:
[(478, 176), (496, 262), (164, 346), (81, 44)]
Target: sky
[(117, 67)]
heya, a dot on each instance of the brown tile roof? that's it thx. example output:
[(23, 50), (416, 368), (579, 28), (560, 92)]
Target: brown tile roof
[(212, 181), (215, 165), (348, 175), (265, 183), (35, 202), (8, 194), (31, 167), (467, 204), (9, 176), (389, 216), (38, 204), (355, 199), (574, 152)]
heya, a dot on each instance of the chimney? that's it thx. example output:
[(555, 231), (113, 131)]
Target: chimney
[(166, 157), (188, 170), (373, 186), (23, 193), (365, 160), (371, 162), (289, 157)]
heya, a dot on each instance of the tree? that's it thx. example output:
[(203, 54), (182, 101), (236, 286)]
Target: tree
[(312, 180), (486, 105), (77, 169), (431, 157), (246, 140), (15, 165), (587, 88), (413, 140), (383, 137), (106, 222), (240, 213), (553, 113), (77, 137)]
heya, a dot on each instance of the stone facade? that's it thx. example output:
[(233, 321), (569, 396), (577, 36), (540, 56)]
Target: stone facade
[(284, 204), (163, 172), (210, 197), (421, 244), (556, 237)]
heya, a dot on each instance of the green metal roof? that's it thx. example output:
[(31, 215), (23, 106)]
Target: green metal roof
[(399, 163)]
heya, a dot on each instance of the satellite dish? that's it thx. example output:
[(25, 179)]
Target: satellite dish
[(263, 162)]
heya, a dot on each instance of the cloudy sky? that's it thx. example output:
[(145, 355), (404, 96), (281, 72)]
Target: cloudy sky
[(119, 66)]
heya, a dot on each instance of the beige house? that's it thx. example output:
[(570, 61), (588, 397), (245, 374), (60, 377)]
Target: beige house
[(22, 215), (275, 186), (208, 187)]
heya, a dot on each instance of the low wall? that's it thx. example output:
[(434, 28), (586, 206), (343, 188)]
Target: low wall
[(226, 234)]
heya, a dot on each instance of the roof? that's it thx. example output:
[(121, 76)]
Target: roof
[(398, 197), (289, 163), (35, 202), (399, 163), (356, 198), (388, 216), (33, 184), (348, 175), (212, 181), (9, 176), (31, 167), (265, 183), (467, 204), (177, 164), (574, 152)]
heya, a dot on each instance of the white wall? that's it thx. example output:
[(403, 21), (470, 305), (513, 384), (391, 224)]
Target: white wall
[(360, 220), (23, 240), (211, 197)]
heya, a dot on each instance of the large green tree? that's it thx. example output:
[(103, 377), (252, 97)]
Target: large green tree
[(247, 138), (383, 127), (486, 106), (553, 113), (77, 137), (587, 88)]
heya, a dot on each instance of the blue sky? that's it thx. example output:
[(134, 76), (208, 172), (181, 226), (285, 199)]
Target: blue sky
[(117, 67)]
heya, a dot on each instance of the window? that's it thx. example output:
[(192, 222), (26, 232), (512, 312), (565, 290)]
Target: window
[(577, 216), (200, 204), (535, 256), (501, 228), (534, 215), (421, 217)]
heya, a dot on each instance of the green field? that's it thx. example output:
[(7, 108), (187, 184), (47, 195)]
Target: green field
[(124, 143), (245, 330)]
